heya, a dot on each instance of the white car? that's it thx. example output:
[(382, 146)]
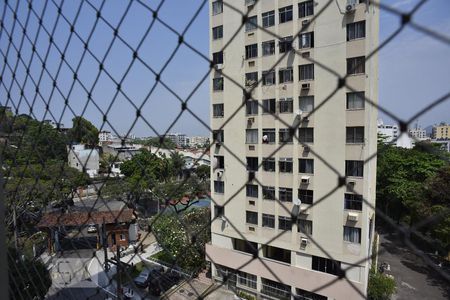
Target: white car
[(92, 228)]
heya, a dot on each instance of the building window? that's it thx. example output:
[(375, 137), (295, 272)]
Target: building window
[(268, 19), (306, 72), (219, 211), (251, 136), (353, 202), (217, 7), (268, 77), (217, 32), (306, 196), (251, 24), (306, 9), (246, 279), (306, 40), (306, 135), (269, 164), (245, 246), (275, 289), (268, 221), (352, 234), (326, 265), (252, 164), (355, 135), (356, 30), (268, 106), (284, 223), (122, 237), (305, 226), (306, 295), (268, 192), (286, 105), (220, 161), (251, 217), (285, 14), (219, 187), (285, 136), (285, 165), (218, 58), (218, 136), (356, 65), (268, 135), (285, 194), (355, 100), (306, 103), (218, 84), (251, 79), (268, 48), (251, 51), (306, 165), (354, 168), (218, 110), (251, 190), (251, 107), (286, 75), (285, 44)]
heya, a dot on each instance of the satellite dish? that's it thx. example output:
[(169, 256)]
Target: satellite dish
[(297, 201)]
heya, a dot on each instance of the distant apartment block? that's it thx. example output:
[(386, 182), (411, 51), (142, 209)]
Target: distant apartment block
[(441, 132), (418, 134), (105, 136), (179, 139), (195, 141), (83, 159), (389, 132)]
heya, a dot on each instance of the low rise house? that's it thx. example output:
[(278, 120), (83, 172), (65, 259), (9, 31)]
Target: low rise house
[(83, 159)]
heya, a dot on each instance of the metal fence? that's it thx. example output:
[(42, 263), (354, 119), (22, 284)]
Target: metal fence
[(33, 34)]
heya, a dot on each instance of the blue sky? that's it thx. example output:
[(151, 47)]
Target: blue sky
[(414, 69)]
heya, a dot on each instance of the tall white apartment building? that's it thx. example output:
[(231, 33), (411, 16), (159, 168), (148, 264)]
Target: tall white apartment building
[(266, 242), (390, 133)]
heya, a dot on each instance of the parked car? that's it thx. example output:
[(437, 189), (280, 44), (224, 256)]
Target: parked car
[(144, 278), (92, 228)]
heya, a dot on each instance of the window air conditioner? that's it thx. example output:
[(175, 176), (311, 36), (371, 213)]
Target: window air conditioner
[(305, 22), (306, 149), (219, 174), (352, 217), (305, 86), (303, 243), (219, 66), (250, 122), (251, 175), (350, 7), (305, 179)]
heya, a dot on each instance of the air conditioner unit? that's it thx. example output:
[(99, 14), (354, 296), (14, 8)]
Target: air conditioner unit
[(305, 86), (219, 174), (218, 143), (306, 148), (305, 119), (305, 22), (251, 175), (305, 54), (250, 121), (219, 66), (350, 7), (351, 183), (303, 243), (352, 217), (251, 147), (305, 180)]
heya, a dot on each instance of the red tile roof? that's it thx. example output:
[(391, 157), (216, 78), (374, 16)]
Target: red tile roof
[(84, 218)]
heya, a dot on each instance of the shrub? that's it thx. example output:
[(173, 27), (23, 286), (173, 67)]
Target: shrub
[(380, 286)]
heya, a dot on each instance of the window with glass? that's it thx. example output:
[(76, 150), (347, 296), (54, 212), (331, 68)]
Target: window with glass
[(220, 161), (286, 105), (306, 103), (304, 226), (286, 75), (285, 44), (268, 106), (306, 135), (285, 135), (268, 48), (306, 196), (246, 279), (251, 107), (356, 30), (251, 24), (251, 136), (326, 265), (352, 234), (246, 246), (217, 32), (268, 77), (252, 164), (285, 164), (218, 136), (306, 165), (285, 14), (251, 51), (217, 7), (356, 65), (218, 84), (219, 211), (306, 72), (355, 100), (285, 194), (268, 19), (307, 295), (354, 168), (218, 57), (219, 187), (284, 223), (268, 221), (268, 135), (268, 192), (275, 289), (306, 40), (251, 79), (353, 202), (218, 110), (269, 164), (276, 253), (251, 190), (306, 9), (251, 217), (355, 135)]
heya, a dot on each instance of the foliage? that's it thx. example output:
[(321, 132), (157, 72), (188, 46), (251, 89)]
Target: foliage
[(184, 248), (28, 279), (203, 172), (83, 132), (245, 296), (156, 142), (380, 286)]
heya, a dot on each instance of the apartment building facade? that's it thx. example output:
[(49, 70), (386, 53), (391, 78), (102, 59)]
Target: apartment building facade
[(285, 224), (441, 131)]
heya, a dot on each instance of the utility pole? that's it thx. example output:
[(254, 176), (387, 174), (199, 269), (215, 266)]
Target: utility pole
[(119, 279), (105, 245)]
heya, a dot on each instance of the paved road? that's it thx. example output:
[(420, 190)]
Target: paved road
[(415, 280)]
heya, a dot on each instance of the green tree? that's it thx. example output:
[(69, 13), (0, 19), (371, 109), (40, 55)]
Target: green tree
[(203, 172), (83, 132), (156, 142), (380, 286)]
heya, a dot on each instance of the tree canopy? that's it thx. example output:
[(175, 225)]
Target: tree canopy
[(83, 132)]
